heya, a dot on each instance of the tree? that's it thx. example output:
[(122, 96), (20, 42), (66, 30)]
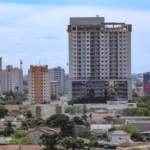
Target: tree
[(83, 132), (51, 140), (105, 95), (37, 122), (91, 95), (136, 112), (25, 91), (16, 88), (84, 111), (93, 142), (62, 121), (109, 119), (9, 128), (73, 143), (66, 143), (22, 141), (77, 120), (3, 111), (29, 114)]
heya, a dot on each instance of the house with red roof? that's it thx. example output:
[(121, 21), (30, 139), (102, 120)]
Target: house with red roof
[(35, 132)]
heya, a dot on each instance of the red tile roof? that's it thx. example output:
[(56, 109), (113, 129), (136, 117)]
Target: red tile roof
[(22, 147), (40, 129)]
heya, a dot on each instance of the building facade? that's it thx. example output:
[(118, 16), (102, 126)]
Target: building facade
[(54, 88), (11, 79), (58, 74), (146, 83), (39, 84), (99, 58)]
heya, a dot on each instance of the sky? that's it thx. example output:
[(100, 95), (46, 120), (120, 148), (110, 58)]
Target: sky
[(34, 30)]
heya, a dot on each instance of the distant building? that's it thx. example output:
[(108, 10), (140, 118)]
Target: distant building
[(0, 69), (11, 79), (54, 88), (58, 74), (146, 83), (119, 135), (66, 82), (99, 58), (39, 84), (35, 132), (39, 110)]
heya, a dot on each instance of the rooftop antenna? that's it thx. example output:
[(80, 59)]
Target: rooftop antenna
[(21, 62)]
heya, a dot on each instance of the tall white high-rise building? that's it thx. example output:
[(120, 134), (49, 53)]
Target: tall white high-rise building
[(99, 58), (58, 74), (11, 79), (39, 84)]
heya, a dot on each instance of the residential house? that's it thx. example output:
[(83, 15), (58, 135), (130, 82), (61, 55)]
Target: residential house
[(35, 132), (119, 135)]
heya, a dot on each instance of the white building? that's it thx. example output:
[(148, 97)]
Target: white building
[(119, 135), (99, 58), (108, 106), (58, 74), (11, 78), (39, 84)]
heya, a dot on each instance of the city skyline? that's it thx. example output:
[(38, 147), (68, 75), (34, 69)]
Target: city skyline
[(36, 30)]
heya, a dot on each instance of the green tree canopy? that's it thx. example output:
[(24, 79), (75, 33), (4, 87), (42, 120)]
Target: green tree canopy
[(29, 114), (62, 121), (9, 128), (77, 120), (3, 111), (51, 140), (22, 141)]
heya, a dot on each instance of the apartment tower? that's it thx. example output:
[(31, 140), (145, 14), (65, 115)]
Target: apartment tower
[(58, 74), (39, 84), (11, 79), (99, 58)]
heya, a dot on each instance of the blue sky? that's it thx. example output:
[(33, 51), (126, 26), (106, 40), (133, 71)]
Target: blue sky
[(35, 30)]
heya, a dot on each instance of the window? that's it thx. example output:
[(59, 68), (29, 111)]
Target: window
[(74, 28)]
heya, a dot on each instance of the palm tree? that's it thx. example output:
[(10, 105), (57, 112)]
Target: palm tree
[(91, 95), (16, 88), (9, 128), (109, 119)]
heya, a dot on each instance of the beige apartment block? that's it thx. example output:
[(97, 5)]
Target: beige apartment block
[(39, 84), (99, 58), (39, 110), (11, 78), (54, 88)]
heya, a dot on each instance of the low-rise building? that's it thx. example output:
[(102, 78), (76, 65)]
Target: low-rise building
[(101, 128), (35, 132), (119, 135), (54, 89), (111, 105), (142, 126), (39, 110)]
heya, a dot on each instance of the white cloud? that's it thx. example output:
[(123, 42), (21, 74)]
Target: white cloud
[(2, 44), (144, 55), (60, 53)]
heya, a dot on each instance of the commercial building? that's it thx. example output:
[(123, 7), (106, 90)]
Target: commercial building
[(54, 88), (58, 74), (146, 83), (99, 58), (39, 84), (11, 79)]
